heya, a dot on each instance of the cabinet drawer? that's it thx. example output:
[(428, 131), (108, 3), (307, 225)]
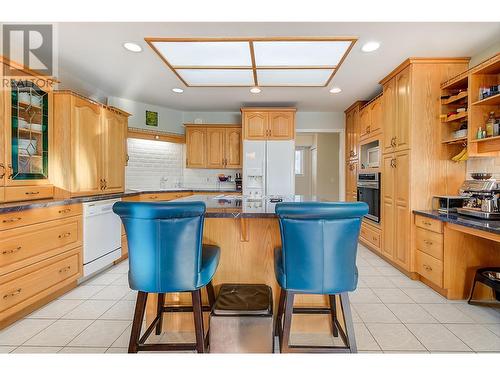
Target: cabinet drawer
[(370, 235), (429, 224), (20, 247), (27, 193), (164, 196), (50, 275), (430, 243), (430, 268), (38, 215)]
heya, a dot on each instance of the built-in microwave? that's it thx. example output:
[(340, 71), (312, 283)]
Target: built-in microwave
[(369, 192), (373, 157)]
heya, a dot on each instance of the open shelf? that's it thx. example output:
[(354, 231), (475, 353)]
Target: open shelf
[(460, 140), (492, 100), (456, 117), (496, 138), (455, 98)]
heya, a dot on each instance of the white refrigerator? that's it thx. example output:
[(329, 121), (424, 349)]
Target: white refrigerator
[(268, 168)]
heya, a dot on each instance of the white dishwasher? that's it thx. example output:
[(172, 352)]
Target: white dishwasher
[(101, 235)]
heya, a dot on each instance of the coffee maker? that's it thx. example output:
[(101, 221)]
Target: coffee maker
[(481, 199)]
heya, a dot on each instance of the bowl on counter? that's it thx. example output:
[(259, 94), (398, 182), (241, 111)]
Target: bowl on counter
[(481, 176), (223, 178)]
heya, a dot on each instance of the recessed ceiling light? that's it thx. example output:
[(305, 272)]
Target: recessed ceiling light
[(335, 90), (177, 90), (132, 47), (255, 90), (370, 46)]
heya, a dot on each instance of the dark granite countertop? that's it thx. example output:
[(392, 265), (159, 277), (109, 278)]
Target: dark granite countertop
[(466, 221), (239, 207), (26, 205)]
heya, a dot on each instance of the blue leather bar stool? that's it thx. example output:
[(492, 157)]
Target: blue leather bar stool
[(166, 255), (318, 256)]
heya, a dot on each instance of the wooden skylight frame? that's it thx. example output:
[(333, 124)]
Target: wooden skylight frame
[(253, 67)]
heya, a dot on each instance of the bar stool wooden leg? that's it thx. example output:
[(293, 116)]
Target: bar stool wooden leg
[(287, 322), (333, 309), (140, 308), (198, 321), (211, 294), (279, 315), (159, 312), (349, 326)]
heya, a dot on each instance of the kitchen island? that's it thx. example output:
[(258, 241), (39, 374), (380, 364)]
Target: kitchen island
[(247, 233)]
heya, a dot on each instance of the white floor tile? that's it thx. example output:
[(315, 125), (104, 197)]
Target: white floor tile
[(103, 279), (375, 313), (446, 313), (117, 350), (112, 292), (495, 328), (90, 309), (55, 309), (355, 317), (364, 339), (121, 268), (411, 313), (88, 350), (21, 331), (477, 337), (59, 334), (424, 295), (37, 349), (6, 349), (437, 337), (131, 296), (363, 295), (377, 262), (368, 271), (123, 340), (122, 280), (378, 282), (360, 262), (480, 314), (394, 337), (392, 295), (406, 282), (101, 333), (389, 271), (122, 310), (82, 292)]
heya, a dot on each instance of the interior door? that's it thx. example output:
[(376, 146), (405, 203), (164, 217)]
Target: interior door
[(233, 148), (86, 147), (113, 150), (389, 116), (281, 125), (387, 205), (215, 148), (196, 155), (402, 214), (255, 125), (403, 110)]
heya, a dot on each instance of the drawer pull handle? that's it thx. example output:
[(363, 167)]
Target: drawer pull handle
[(65, 210), (426, 223), (11, 251), (11, 220), (32, 192), (64, 235), (374, 238), (12, 294), (65, 269), (154, 197), (428, 268), (427, 242)]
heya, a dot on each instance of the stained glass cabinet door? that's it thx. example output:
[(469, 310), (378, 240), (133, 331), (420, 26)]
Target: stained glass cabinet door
[(29, 133)]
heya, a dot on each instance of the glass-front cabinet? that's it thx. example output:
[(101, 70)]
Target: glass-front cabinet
[(29, 138)]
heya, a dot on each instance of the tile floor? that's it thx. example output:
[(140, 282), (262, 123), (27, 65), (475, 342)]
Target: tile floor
[(391, 314)]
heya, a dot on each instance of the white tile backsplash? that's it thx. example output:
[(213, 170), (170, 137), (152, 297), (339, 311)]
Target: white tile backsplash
[(154, 165), (479, 165)]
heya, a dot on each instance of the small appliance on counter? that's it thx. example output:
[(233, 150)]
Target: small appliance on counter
[(445, 204), (239, 182), (481, 197)]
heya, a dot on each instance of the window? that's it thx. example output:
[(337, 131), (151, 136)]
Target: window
[(299, 161)]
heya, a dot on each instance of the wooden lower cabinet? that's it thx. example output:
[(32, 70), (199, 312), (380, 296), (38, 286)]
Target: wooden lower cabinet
[(370, 236), (151, 197), (23, 193), (351, 194), (40, 257)]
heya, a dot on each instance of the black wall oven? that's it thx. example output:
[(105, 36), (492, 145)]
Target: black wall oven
[(369, 192)]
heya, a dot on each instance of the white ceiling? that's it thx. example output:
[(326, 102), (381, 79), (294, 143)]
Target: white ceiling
[(93, 61)]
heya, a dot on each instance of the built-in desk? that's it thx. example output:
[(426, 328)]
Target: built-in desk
[(449, 248)]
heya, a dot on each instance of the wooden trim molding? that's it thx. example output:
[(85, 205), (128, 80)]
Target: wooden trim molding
[(268, 109), (108, 107), (358, 103), (212, 124), (155, 135)]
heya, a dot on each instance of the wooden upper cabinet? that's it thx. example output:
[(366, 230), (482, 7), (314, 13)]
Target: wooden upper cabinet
[(376, 115), (114, 130), (233, 148), (255, 125), (196, 143), (268, 123), (86, 147), (402, 129), (215, 147), (364, 122), (389, 116), (281, 125)]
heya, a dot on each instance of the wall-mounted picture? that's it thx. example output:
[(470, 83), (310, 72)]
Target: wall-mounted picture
[(151, 118)]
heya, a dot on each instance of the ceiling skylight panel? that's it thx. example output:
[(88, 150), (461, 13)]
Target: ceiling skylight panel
[(217, 77), (293, 77)]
